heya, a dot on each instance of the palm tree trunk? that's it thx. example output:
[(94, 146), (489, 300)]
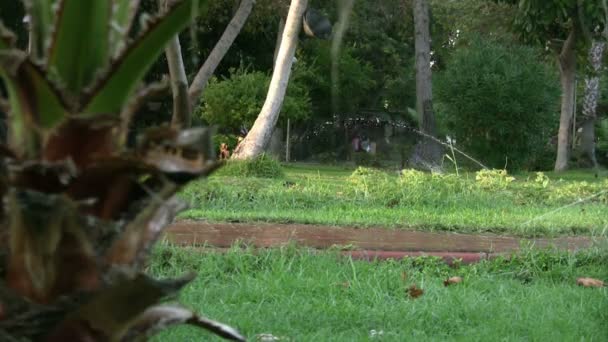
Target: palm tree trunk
[(277, 45), (259, 136), (179, 81), (219, 51), (179, 84)]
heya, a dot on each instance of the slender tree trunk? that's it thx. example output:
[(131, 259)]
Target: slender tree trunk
[(277, 45), (179, 81), (567, 68), (592, 94), (429, 150), (259, 135), (219, 51), (346, 8), (179, 84)]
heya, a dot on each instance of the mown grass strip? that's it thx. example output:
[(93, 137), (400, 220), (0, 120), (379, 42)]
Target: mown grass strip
[(292, 293)]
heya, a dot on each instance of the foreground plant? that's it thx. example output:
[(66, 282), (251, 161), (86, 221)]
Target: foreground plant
[(81, 208)]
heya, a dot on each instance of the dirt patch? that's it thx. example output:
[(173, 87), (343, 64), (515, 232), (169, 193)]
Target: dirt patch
[(368, 243)]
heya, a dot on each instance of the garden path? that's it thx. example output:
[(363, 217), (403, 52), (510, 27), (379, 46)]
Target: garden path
[(364, 243)]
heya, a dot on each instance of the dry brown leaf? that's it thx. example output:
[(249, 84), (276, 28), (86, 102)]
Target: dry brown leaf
[(452, 281), (82, 140), (589, 282), (345, 284), (414, 291)]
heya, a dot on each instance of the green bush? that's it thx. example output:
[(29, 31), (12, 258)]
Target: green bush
[(500, 103), (237, 100), (263, 166), (228, 139)]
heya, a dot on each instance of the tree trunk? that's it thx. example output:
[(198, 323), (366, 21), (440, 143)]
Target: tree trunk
[(219, 51), (277, 45), (345, 10), (259, 135), (179, 81), (179, 85), (429, 150), (567, 69), (592, 94)]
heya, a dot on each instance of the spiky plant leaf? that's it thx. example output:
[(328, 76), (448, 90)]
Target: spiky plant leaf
[(82, 140), (7, 38), (112, 92), (109, 315), (158, 318), (35, 103), (50, 254), (80, 45), (123, 13), (181, 153), (113, 184), (144, 229), (40, 14)]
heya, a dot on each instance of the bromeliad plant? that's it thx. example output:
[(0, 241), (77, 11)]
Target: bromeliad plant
[(81, 208)]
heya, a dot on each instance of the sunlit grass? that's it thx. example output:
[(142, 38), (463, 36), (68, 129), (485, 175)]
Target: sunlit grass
[(330, 196), (290, 292)]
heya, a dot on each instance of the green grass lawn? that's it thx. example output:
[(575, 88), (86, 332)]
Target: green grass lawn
[(556, 204), (291, 293)]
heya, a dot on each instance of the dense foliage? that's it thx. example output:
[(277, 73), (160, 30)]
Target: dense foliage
[(236, 101), (499, 102), (263, 166)]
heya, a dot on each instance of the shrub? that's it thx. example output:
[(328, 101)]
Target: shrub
[(228, 139), (500, 102), (263, 166), (237, 100)]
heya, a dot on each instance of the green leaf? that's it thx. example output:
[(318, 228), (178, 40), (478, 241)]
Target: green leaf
[(41, 18), (79, 48), (35, 103), (123, 12), (113, 91)]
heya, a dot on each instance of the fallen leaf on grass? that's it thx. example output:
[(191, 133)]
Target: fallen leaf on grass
[(414, 291), (269, 338), (452, 281), (376, 333), (345, 284), (589, 282)]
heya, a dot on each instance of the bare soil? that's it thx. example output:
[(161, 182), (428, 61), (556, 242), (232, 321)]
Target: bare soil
[(368, 243)]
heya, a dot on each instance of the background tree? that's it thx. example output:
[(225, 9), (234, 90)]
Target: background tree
[(428, 152), (235, 101), (590, 100), (561, 25), (184, 97), (498, 102), (259, 135)]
